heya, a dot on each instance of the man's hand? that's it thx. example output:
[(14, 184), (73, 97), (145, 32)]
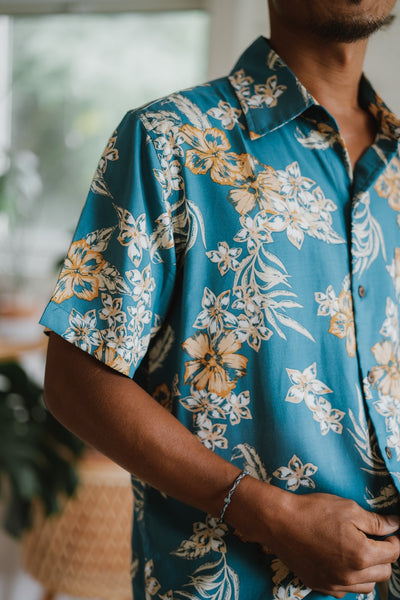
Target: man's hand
[(321, 538), (326, 540)]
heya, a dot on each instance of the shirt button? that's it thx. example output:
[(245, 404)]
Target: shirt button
[(370, 377), (361, 291), (388, 452)]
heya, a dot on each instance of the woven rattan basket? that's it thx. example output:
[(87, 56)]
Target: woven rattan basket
[(85, 551)]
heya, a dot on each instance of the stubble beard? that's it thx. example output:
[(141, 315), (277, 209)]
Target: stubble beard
[(349, 30)]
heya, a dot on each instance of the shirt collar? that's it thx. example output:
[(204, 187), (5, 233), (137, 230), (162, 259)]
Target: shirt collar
[(389, 124), (271, 95)]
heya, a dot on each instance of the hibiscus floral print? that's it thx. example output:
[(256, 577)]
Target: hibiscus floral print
[(340, 310), (216, 365), (80, 273), (231, 262)]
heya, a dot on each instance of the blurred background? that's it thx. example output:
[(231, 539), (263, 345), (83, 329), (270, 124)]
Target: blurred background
[(69, 70)]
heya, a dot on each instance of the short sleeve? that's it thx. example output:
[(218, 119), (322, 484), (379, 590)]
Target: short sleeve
[(116, 282)]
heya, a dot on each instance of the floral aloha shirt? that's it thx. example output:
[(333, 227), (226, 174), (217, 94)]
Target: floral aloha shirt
[(230, 261)]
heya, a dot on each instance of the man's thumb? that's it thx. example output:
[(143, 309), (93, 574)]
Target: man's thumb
[(382, 525)]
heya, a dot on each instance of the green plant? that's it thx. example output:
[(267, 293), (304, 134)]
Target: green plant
[(37, 454)]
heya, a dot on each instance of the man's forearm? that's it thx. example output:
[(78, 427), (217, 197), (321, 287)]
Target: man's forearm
[(322, 538), (112, 413)]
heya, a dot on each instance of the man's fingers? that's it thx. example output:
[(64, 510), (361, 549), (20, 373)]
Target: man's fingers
[(380, 552), (378, 525), (340, 592), (363, 583), (373, 575)]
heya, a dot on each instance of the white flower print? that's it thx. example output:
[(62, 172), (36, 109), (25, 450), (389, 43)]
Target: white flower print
[(215, 316), (255, 231), (227, 114), (328, 302), (112, 310), (169, 177), (110, 154), (236, 407), (82, 331), (393, 441), (248, 300), (328, 418), (225, 257), (266, 93), (321, 137), (207, 537), (241, 83), (162, 236), (253, 330), (205, 403), (296, 474), (211, 435), (140, 316), (118, 339), (142, 284), (287, 586), (390, 409), (307, 387), (390, 327), (140, 346), (293, 184), (170, 143), (300, 210), (132, 234)]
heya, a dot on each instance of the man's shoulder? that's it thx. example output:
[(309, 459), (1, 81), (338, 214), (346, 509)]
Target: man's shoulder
[(192, 106)]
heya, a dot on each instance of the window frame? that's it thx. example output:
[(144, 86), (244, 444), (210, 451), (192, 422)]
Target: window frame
[(40, 7)]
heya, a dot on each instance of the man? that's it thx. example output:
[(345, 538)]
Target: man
[(231, 296)]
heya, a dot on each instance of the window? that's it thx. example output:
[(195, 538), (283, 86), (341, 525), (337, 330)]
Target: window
[(71, 79)]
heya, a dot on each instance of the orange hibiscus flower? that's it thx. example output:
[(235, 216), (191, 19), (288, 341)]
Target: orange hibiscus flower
[(216, 364), (210, 154), (342, 322), (258, 189), (80, 273), (388, 184), (387, 371)]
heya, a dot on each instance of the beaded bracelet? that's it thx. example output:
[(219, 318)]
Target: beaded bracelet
[(228, 498)]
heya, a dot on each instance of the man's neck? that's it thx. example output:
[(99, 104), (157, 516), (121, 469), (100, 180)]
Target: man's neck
[(331, 72)]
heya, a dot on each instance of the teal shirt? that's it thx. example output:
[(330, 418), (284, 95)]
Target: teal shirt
[(230, 261)]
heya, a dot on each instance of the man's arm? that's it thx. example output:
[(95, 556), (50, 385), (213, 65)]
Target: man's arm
[(320, 537)]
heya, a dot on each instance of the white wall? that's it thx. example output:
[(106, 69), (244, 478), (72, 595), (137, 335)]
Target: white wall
[(234, 25), (383, 61)]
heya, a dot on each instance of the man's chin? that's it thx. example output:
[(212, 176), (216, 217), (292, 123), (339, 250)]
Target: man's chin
[(349, 30)]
